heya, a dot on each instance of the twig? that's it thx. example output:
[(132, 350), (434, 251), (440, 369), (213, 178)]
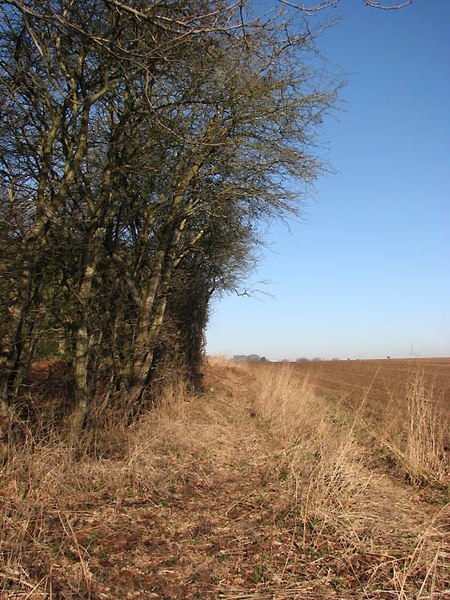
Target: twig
[(333, 3)]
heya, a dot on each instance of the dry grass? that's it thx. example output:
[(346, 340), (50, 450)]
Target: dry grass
[(262, 487), (424, 454), (335, 490)]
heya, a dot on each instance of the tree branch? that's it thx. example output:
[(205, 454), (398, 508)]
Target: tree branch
[(334, 3), (372, 4)]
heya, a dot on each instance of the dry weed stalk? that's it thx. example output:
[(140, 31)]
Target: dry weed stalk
[(412, 434), (424, 452), (427, 561)]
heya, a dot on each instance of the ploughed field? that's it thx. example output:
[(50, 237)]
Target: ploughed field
[(383, 377), (372, 386)]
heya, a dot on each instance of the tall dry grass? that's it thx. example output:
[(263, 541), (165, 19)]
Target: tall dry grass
[(335, 492), (318, 444), (424, 449), (315, 457), (411, 433), (45, 484)]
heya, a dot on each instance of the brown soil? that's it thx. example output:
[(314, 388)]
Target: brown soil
[(383, 378)]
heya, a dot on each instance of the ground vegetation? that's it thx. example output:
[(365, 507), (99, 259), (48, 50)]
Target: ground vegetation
[(265, 486)]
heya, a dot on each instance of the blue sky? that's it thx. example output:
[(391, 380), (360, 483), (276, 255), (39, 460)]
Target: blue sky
[(366, 274)]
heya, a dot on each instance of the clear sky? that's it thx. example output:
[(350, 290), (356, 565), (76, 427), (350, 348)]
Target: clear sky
[(367, 272)]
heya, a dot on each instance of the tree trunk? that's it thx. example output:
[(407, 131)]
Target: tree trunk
[(143, 351), (14, 342), (34, 247), (81, 350), (153, 323)]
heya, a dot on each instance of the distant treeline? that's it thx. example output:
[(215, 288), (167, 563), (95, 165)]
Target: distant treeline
[(249, 358)]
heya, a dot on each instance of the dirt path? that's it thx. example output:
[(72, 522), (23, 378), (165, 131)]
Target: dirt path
[(209, 532)]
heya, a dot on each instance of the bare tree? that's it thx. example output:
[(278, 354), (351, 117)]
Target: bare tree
[(141, 145)]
